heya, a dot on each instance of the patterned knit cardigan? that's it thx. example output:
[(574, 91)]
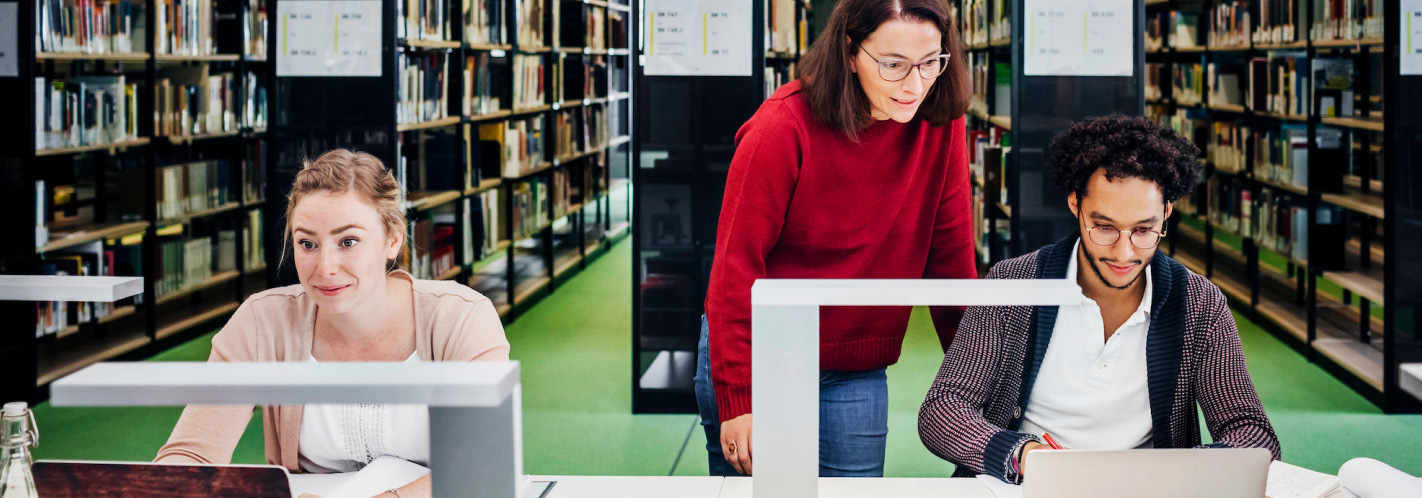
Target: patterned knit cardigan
[(974, 409)]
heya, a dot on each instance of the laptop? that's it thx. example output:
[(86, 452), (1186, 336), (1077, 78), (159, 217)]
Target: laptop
[(85, 479), (1155, 473)]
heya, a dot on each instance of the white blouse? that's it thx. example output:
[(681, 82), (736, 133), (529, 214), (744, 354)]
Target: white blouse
[(347, 437)]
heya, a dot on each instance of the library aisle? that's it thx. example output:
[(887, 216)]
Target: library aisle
[(572, 346)]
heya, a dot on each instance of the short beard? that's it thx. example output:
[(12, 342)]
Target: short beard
[(1101, 276)]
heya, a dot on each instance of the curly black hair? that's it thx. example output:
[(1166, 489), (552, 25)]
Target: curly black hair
[(1127, 147)]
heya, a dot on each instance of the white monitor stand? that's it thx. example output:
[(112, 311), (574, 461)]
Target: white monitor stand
[(475, 429), (785, 358)]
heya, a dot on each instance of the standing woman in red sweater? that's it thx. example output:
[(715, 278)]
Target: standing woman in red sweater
[(857, 170)]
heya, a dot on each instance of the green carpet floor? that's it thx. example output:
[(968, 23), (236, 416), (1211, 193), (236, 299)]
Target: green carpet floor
[(575, 349)]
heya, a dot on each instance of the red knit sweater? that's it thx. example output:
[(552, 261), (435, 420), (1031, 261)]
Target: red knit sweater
[(802, 201)]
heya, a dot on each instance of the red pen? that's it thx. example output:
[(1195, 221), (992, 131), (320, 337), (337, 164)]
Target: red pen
[(1051, 442)]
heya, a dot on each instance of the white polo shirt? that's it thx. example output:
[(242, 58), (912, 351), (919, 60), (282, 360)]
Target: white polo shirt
[(1090, 393)]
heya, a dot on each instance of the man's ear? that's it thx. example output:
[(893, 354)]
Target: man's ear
[(1073, 205), (1169, 209)]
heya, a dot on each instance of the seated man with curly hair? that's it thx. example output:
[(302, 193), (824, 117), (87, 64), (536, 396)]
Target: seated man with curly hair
[(1125, 367)]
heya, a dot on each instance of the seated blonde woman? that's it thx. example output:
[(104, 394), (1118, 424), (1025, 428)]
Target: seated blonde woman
[(345, 226)]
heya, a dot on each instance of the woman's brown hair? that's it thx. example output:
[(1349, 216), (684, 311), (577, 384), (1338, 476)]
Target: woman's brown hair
[(341, 170), (833, 92)]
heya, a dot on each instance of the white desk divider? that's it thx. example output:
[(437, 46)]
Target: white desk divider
[(1410, 378), (41, 288), (475, 435), (785, 358)]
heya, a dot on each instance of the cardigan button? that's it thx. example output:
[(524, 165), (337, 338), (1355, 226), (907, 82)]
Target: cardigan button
[(1017, 412)]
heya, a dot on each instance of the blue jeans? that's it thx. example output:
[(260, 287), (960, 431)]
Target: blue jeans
[(854, 419)]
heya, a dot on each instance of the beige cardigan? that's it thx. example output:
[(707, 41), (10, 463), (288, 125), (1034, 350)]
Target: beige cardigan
[(452, 323)]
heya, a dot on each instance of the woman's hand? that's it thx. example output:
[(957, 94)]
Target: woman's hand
[(736, 443), (1028, 448)]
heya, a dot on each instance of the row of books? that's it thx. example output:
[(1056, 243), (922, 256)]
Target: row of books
[(616, 29), (1225, 83), (430, 253), (422, 88), (254, 107), (582, 25), (1279, 21), (579, 129), (483, 225), (1156, 76), (1279, 84), (484, 22), (528, 19), (192, 102), (565, 192), (482, 87), (1230, 24), (186, 263), (782, 19), (90, 259), (777, 75), (1187, 84), (582, 77), (1276, 220), (89, 110), (530, 204), (181, 189), (522, 141), (1172, 28), (529, 88), (1347, 19), (254, 28), (975, 21), (422, 20), (88, 26), (184, 27)]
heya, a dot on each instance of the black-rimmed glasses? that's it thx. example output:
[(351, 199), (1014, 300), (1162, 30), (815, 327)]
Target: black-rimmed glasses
[(895, 70)]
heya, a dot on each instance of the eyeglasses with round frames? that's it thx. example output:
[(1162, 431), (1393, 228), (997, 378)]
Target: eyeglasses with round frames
[(1144, 238), (894, 70)]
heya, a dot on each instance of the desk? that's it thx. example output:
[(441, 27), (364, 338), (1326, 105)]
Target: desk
[(633, 487), (740, 487), (860, 487)]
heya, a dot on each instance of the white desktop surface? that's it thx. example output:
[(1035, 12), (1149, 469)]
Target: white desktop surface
[(632, 487), (740, 487), (861, 487)]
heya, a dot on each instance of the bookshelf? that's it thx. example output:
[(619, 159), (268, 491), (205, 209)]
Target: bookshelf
[(176, 180), (1294, 216), (502, 132), (1017, 208), (141, 156), (686, 128)]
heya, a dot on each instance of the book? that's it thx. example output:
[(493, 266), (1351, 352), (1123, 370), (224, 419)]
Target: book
[(422, 88)]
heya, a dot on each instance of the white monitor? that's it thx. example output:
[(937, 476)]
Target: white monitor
[(785, 358), (475, 412)]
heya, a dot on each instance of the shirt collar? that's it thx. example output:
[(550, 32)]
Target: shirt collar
[(1141, 311)]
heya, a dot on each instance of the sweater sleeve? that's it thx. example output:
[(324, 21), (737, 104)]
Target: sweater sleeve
[(207, 434), (951, 423), (481, 338), (951, 254), (1231, 406), (759, 186)]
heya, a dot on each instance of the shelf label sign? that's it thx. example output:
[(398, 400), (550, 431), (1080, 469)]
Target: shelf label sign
[(1411, 26), (1079, 38), (329, 38), (9, 39), (698, 38)]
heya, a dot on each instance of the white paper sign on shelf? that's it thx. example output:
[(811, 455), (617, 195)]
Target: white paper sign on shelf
[(698, 38), (9, 39), (329, 38), (1079, 38), (1411, 26)]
